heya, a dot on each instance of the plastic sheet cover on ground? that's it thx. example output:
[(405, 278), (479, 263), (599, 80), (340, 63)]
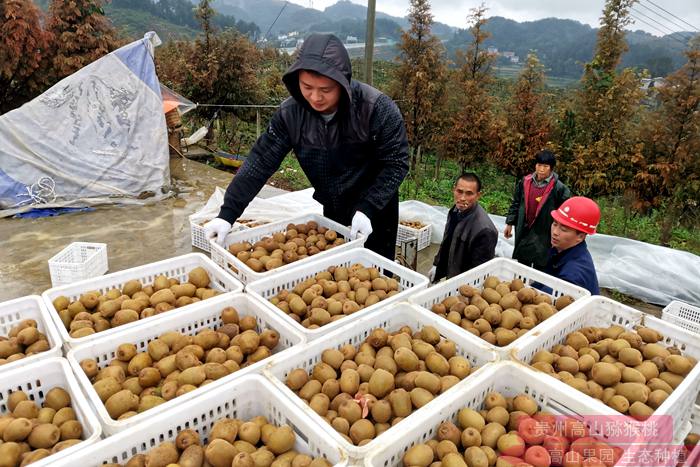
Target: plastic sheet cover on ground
[(98, 136), (648, 272)]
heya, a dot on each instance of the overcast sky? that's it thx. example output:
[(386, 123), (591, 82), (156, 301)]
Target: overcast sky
[(454, 12)]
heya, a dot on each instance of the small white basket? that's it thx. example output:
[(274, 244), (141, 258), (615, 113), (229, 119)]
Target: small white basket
[(424, 235), (177, 267), (239, 269), (683, 315), (245, 398), (409, 282), (15, 311), (36, 380), (509, 379), (391, 319), (201, 315), (78, 261), (506, 270), (603, 312)]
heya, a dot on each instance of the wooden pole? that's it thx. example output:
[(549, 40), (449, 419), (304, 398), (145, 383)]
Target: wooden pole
[(369, 41)]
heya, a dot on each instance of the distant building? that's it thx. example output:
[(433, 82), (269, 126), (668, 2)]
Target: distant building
[(508, 55), (514, 59), (651, 83), (492, 50), (351, 40)]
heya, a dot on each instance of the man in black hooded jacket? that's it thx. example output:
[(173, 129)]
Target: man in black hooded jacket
[(350, 141)]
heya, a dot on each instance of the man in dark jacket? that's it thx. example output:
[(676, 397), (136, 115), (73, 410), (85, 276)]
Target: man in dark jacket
[(470, 237), (535, 196), (569, 258), (350, 141)]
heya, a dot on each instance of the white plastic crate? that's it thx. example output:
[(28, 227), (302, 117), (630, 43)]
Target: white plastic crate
[(78, 261), (409, 282), (36, 380), (603, 312), (177, 267), (238, 268), (199, 239), (15, 311), (201, 315), (683, 315), (508, 378), (245, 398), (506, 270), (391, 319), (424, 235), (693, 459)]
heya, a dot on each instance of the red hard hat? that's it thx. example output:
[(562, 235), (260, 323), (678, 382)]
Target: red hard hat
[(579, 213)]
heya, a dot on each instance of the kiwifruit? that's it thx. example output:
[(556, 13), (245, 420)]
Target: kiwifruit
[(57, 398), (470, 418), (630, 375), (678, 364), (121, 402), (525, 403), (17, 430), (656, 398), (381, 383), (633, 391), (490, 434), (187, 438), (494, 399), (576, 340), (219, 453), (199, 277), (71, 429), (567, 364), (400, 401), (438, 364), (671, 379), (64, 415), (563, 301), (420, 397), (650, 336), (654, 350), (361, 430), (606, 374), (640, 410), (281, 440), (619, 403), (420, 455)]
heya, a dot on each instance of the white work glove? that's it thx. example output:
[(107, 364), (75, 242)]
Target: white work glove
[(217, 228), (431, 274), (361, 226)]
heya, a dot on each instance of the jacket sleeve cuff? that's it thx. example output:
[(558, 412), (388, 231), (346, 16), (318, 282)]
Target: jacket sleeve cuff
[(367, 209), (227, 214)]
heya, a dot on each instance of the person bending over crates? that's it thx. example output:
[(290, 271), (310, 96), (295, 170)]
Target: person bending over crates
[(350, 141), (470, 236), (569, 258)]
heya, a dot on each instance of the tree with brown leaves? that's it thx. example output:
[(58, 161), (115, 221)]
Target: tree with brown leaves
[(473, 129), (22, 46), (600, 159), (669, 172), (420, 84), (81, 34), (527, 122)]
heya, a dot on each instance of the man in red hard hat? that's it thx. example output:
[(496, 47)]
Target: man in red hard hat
[(569, 258)]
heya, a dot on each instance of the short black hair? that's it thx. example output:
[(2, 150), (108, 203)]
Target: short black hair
[(546, 157), (470, 177)]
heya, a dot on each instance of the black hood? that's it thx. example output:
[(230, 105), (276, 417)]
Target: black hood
[(325, 54)]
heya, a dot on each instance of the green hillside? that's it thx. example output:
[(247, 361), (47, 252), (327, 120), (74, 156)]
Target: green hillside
[(134, 23)]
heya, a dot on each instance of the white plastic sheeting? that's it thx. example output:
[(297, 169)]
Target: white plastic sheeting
[(272, 209), (98, 136)]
